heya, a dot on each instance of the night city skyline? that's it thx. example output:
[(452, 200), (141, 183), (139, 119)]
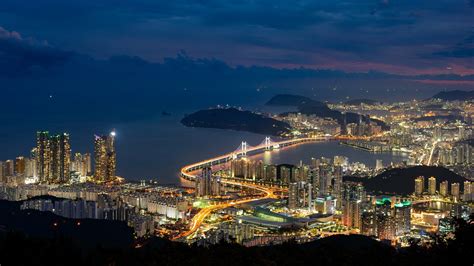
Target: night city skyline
[(236, 132)]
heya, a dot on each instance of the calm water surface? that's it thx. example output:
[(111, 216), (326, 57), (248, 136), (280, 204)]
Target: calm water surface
[(158, 147)]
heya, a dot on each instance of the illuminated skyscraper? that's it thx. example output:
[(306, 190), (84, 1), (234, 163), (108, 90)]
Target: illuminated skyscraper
[(467, 192), (385, 220), (20, 165), (30, 167), (351, 213), (443, 188), (378, 165), (60, 158), (105, 158), (455, 191), (300, 195), (419, 185), (403, 218), (432, 185), (241, 168), (207, 184), (81, 164), (43, 155), (9, 168)]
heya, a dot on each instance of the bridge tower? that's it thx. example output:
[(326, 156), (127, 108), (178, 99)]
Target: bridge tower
[(244, 146), (268, 143)]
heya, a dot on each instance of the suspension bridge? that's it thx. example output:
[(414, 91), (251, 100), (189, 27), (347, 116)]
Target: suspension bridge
[(244, 149)]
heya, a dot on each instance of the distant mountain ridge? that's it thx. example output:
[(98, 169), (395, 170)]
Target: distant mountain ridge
[(292, 100), (309, 106), (454, 95), (361, 101)]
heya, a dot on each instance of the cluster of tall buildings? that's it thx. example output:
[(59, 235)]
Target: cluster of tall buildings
[(300, 195), (317, 186), (12, 171), (444, 191), (363, 128), (386, 219), (53, 158), (459, 154), (208, 184), (306, 183), (51, 162)]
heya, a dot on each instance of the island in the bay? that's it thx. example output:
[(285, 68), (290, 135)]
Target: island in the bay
[(235, 119)]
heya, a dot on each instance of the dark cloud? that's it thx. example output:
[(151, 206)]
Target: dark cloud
[(464, 49), (19, 55), (410, 34)]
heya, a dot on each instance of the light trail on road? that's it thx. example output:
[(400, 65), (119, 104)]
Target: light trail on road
[(268, 192)]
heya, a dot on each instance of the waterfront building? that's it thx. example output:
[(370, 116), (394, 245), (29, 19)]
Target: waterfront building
[(341, 161), (105, 158), (419, 185), (240, 167), (286, 173), (432, 185), (378, 165), (207, 184), (443, 188), (270, 173)]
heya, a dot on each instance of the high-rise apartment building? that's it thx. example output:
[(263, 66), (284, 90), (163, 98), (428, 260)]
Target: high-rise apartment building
[(105, 158), (455, 191), (443, 188), (60, 158), (351, 213), (207, 184), (43, 155), (467, 192), (432, 185), (419, 185), (300, 195)]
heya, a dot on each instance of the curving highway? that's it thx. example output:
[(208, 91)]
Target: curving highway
[(267, 192)]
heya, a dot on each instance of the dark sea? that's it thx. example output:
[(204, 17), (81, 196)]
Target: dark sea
[(157, 147)]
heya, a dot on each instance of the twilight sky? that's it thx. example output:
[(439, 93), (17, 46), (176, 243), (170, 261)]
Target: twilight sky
[(407, 37)]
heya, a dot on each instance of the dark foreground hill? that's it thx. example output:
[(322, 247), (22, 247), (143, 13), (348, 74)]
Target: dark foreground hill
[(85, 232), (402, 180), (18, 249), (231, 118), (71, 244)]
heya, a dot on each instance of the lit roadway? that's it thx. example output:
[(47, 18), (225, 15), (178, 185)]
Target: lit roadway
[(430, 158), (187, 172), (268, 192)]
